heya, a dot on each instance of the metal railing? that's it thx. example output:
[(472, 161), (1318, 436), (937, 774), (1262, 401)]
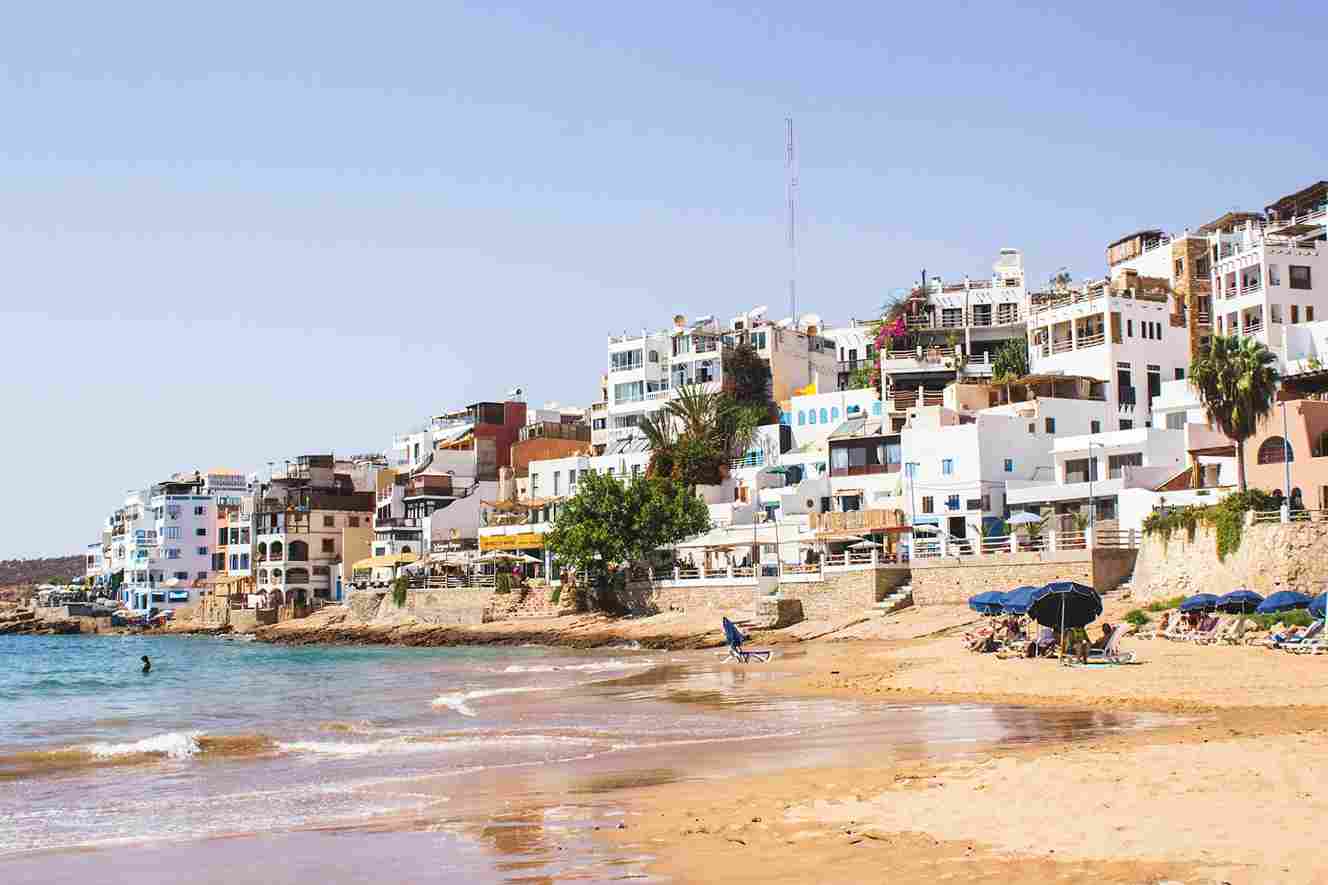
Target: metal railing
[(1092, 340)]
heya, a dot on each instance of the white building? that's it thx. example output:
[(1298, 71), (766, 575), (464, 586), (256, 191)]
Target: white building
[(956, 328), (645, 370), (162, 543)]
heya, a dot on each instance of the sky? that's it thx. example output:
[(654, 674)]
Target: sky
[(234, 235)]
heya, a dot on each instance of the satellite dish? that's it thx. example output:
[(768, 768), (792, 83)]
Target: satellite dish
[(757, 312)]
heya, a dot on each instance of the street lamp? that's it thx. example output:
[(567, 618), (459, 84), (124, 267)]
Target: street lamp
[(912, 468)]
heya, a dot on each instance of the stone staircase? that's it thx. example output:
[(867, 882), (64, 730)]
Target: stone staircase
[(535, 605), (901, 598)]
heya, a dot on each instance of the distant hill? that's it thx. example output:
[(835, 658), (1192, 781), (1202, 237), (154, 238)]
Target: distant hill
[(39, 571)]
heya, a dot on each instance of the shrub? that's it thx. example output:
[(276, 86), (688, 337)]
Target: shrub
[(1227, 517), (1137, 617), (503, 583), (1162, 605), (1298, 618), (556, 595), (399, 587)]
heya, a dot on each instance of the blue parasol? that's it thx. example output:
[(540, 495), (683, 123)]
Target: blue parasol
[(1283, 601), (1017, 601), (1318, 605), (988, 603), (1065, 604), (1239, 602), (1199, 602)]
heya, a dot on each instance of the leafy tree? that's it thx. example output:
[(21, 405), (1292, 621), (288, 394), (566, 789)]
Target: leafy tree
[(749, 373), (1237, 381), (609, 521), (1010, 361)]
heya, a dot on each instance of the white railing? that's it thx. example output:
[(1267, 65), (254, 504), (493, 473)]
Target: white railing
[(1253, 328), (1062, 346), (1092, 340)]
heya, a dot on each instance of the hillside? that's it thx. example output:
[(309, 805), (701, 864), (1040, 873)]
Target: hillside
[(39, 571)]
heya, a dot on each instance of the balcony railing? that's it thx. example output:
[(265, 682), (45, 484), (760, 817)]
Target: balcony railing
[(1062, 346), (1252, 328), (864, 470), (1092, 340)]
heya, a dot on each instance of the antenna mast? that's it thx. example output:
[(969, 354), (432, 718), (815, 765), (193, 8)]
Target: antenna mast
[(791, 163)]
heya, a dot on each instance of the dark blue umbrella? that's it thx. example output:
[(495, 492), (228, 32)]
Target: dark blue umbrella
[(1318, 605), (1017, 601), (1065, 604), (1199, 602), (1240, 601), (988, 603), (1283, 601)]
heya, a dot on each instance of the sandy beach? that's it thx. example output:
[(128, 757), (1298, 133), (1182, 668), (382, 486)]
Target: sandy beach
[(1231, 792)]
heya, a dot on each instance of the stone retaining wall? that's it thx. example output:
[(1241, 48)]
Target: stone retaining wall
[(1271, 557), (949, 581), (456, 605)]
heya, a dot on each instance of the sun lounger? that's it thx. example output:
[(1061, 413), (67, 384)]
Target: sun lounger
[(737, 653), (1288, 642), (1310, 642), (1111, 653), (1205, 632), (1219, 633)]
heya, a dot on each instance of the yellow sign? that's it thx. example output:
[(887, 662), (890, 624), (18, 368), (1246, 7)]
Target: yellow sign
[(523, 541)]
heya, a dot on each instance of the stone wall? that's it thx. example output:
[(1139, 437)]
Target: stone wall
[(457, 605), (1271, 557), (951, 581)]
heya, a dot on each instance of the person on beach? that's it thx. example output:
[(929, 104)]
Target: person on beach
[(147, 665)]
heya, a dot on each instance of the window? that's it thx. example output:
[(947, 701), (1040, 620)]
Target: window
[(171, 531), (1094, 426), (221, 536), (1175, 421), (183, 576), (825, 418), (952, 502), (1081, 470), (1274, 275), (1201, 268), (947, 467), (1295, 313), (557, 478), (534, 484), (235, 561), (811, 416), (1126, 424), (1050, 424), (202, 551), (911, 469), (1309, 313), (876, 408), (571, 480), (1009, 465), (853, 410), (1129, 328), (973, 504), (1180, 374), (834, 413), (244, 560), (629, 392), (802, 417), (200, 533), (825, 505), (1275, 450), (1116, 464), (202, 576), (235, 536), (329, 545), (636, 470), (172, 552), (1179, 271), (353, 521), (1275, 313), (928, 505), (625, 360), (1298, 275), (202, 511), (329, 521), (1032, 427)]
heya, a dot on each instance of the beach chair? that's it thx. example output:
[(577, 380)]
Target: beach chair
[(1111, 653), (1220, 632), (1205, 631), (1309, 642), (735, 639)]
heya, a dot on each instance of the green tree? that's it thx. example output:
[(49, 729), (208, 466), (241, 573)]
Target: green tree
[(1010, 361), (1237, 381), (608, 521), (749, 373)]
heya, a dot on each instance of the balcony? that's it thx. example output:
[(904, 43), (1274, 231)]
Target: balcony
[(857, 520), (1091, 340), (864, 469), (1064, 345), (1252, 328)]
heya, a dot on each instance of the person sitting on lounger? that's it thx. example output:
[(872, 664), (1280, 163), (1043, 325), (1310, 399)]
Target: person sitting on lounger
[(1102, 641)]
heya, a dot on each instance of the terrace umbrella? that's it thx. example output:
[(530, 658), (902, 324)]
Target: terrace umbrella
[(1239, 602), (1017, 601), (1318, 605), (988, 603), (1065, 603), (1023, 517), (864, 545), (1199, 602)]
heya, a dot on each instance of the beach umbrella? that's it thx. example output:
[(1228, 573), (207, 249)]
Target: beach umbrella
[(1065, 604), (1199, 602), (864, 545), (1023, 517), (1318, 605), (1283, 601), (1017, 601), (1239, 602), (988, 603), (924, 528)]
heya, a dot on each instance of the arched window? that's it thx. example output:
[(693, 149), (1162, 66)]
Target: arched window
[(825, 419), (834, 413), (299, 551), (811, 416), (262, 549), (297, 576), (1275, 450), (802, 417), (276, 550)]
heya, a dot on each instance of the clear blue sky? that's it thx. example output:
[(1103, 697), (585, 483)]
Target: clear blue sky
[(239, 233)]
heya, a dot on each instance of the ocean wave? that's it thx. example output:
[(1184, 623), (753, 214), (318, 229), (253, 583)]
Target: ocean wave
[(172, 745), (589, 667), (458, 701), (424, 744), (684, 742)]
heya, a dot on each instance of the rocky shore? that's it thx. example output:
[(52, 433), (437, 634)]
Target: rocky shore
[(23, 621)]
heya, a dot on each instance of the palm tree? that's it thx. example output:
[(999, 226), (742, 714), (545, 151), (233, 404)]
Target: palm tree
[(1236, 381)]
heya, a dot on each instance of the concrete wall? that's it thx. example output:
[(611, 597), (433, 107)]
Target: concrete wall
[(443, 606), (1271, 557), (950, 581)]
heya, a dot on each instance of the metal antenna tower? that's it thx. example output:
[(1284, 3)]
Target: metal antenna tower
[(791, 162)]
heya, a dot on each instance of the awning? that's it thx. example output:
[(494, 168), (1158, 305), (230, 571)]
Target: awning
[(926, 520), (391, 560)]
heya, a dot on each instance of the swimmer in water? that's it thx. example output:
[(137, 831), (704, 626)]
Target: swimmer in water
[(147, 665)]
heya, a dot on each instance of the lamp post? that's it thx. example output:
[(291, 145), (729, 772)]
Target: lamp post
[(1092, 469), (1286, 459), (912, 468)]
